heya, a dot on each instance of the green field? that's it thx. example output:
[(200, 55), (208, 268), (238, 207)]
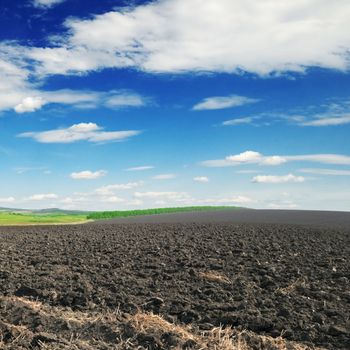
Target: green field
[(56, 216), (124, 213), (12, 218)]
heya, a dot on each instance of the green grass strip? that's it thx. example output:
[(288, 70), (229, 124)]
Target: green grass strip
[(125, 213), (8, 218)]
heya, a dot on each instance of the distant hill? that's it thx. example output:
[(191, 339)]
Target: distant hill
[(46, 211)]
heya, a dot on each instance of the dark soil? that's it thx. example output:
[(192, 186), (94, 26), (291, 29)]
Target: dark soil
[(270, 279)]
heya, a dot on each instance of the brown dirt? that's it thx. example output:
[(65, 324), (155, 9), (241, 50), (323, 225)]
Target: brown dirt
[(173, 286)]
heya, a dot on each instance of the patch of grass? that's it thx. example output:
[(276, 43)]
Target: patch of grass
[(126, 213), (13, 218)]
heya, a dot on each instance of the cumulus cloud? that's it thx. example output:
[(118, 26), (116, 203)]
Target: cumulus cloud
[(90, 132), (164, 177), (140, 168), (46, 3), (223, 102), (88, 175), (185, 35), (318, 171), (276, 179), (30, 104), (202, 179), (253, 157), (41, 197)]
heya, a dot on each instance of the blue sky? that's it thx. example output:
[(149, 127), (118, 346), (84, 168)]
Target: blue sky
[(119, 104)]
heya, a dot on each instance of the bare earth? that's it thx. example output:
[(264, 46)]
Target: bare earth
[(297, 217), (179, 281)]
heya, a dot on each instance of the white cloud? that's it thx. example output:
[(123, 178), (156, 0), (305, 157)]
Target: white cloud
[(223, 102), (162, 195), (46, 3), (23, 170), (90, 132), (7, 200), (273, 160), (202, 179), (20, 93), (247, 171), (321, 158), (229, 200), (284, 205), (83, 99), (328, 121), (185, 35), (88, 175), (14, 86), (41, 197), (253, 157), (73, 60), (238, 121), (29, 104), (135, 202), (77, 98), (275, 179), (319, 171), (110, 189), (125, 100), (164, 177), (140, 168), (245, 157), (113, 199), (332, 113)]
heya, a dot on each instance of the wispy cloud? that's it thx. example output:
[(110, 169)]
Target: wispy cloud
[(333, 113), (88, 175), (46, 3), (23, 170), (7, 199), (238, 121), (283, 205), (41, 197), (140, 168), (90, 132), (327, 121), (228, 200), (277, 179), (164, 177), (319, 171), (253, 157), (203, 179), (33, 100), (162, 195), (110, 189), (223, 102), (125, 99)]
